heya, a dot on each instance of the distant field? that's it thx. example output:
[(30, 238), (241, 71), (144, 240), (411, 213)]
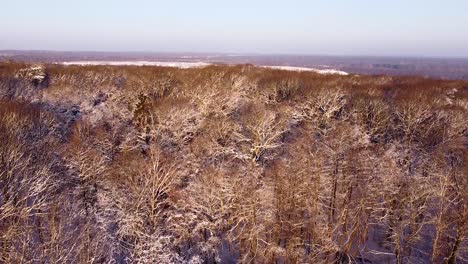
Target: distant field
[(437, 68), (182, 65), (188, 65)]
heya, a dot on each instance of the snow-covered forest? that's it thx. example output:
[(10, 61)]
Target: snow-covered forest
[(230, 164)]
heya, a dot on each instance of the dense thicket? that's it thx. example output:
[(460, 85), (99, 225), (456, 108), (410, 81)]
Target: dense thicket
[(229, 164)]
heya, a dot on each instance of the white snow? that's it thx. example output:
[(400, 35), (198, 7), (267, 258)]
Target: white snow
[(39, 77), (182, 65), (300, 69), (37, 68)]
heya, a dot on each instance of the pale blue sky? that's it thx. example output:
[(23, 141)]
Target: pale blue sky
[(331, 27)]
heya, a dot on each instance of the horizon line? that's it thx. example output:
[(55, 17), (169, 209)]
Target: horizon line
[(259, 54)]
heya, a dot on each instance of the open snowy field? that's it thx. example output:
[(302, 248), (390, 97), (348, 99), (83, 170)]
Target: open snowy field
[(187, 65), (292, 68), (183, 65)]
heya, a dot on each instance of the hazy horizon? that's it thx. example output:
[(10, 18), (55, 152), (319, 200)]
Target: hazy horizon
[(334, 28), (200, 53)]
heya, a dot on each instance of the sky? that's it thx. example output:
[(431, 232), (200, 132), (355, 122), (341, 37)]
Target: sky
[(430, 28)]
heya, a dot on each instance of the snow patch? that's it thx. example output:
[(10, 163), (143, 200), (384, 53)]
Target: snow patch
[(182, 65), (301, 69)]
